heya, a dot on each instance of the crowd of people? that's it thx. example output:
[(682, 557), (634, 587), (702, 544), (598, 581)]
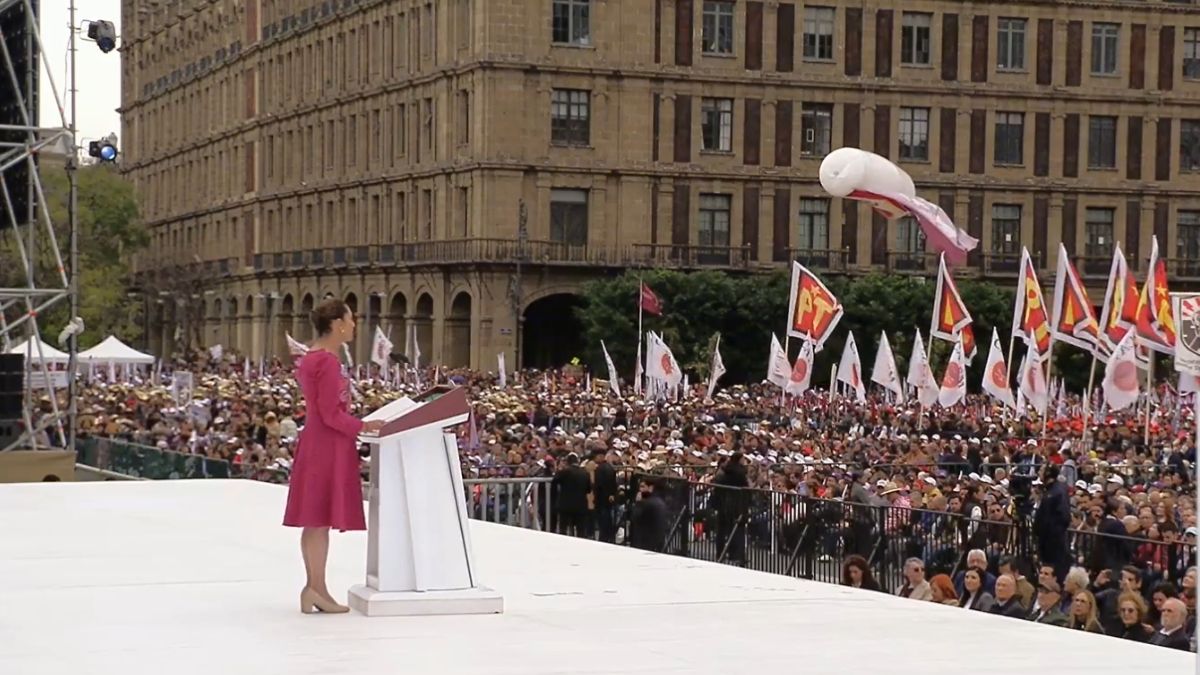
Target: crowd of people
[(1117, 477)]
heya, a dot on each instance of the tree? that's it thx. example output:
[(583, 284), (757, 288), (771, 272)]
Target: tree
[(747, 309), (109, 232)]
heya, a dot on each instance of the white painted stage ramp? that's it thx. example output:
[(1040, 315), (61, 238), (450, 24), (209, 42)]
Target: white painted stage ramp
[(198, 577)]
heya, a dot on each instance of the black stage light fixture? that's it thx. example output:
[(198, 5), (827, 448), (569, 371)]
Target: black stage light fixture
[(105, 35)]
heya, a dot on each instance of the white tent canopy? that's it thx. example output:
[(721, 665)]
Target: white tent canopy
[(112, 350), (30, 349)]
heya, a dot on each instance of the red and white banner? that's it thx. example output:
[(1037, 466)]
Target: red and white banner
[(954, 379), (850, 370), (1033, 386), (1031, 322), (1074, 318), (801, 376), (950, 316), (1119, 313), (1155, 325), (813, 312), (995, 373), (1121, 375)]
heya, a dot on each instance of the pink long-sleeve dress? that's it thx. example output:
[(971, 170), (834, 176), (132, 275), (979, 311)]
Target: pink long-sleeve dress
[(325, 488)]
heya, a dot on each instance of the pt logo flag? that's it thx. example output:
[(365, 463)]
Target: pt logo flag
[(1074, 318), (1119, 314), (813, 312), (1030, 320), (951, 320), (1154, 322)]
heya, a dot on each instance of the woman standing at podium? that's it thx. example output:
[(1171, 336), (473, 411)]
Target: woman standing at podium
[(325, 489)]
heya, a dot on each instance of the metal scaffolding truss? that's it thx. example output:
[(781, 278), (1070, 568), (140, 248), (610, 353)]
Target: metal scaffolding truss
[(26, 227)]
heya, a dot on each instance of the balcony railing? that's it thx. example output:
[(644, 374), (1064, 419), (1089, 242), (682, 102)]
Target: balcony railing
[(825, 260), (1183, 268), (1007, 264), (670, 255), (1094, 265), (911, 262)]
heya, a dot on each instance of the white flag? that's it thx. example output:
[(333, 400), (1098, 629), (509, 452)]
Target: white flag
[(381, 348), (216, 352), (717, 368), (995, 373), (850, 369), (801, 375), (885, 373), (416, 361), (502, 368), (662, 365), (1033, 385), (246, 368), (920, 375), (954, 379), (612, 371), (778, 368), (1121, 375), (295, 348)]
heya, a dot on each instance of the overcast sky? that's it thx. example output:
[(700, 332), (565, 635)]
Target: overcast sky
[(99, 79)]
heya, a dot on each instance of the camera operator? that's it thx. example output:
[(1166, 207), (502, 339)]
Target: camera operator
[(1051, 521)]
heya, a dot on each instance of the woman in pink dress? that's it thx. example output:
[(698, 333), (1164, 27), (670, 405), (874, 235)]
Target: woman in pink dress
[(325, 490)]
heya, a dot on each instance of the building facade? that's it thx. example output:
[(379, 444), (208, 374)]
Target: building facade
[(463, 166)]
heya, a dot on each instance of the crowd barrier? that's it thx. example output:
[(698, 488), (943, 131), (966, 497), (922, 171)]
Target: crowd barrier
[(144, 461), (784, 533)]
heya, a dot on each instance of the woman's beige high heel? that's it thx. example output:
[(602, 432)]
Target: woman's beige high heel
[(312, 602)]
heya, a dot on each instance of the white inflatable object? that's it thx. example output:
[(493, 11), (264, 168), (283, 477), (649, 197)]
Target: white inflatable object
[(848, 169)]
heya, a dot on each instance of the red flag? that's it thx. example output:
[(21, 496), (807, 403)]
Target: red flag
[(1119, 313), (1074, 317), (650, 302), (1155, 324), (1030, 319), (950, 316), (813, 311)]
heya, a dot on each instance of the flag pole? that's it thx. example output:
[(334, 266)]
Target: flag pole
[(1087, 408), (1149, 397), (1049, 371), (641, 337)]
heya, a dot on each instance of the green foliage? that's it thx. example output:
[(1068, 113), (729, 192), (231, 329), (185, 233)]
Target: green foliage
[(745, 310), (109, 231)]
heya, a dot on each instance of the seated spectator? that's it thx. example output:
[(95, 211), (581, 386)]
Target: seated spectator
[(1083, 614), (974, 596), (976, 559), (1162, 592), (1007, 602), (857, 574), (1172, 633), (1025, 591), (915, 586), (1132, 612), (1048, 598), (943, 590)]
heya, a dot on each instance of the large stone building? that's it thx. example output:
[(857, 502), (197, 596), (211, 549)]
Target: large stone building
[(462, 166)]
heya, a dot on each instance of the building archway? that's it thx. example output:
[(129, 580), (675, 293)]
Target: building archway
[(306, 309), (456, 346), (551, 334), (231, 319), (286, 326), (398, 323), (423, 318)]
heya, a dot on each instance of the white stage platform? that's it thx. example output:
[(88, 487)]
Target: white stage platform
[(198, 577)]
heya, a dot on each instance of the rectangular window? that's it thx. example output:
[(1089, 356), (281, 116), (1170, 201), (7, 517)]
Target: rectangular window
[(1006, 229), (818, 33), (716, 124), (717, 29), (814, 226), (1191, 53), (915, 38), (569, 217), (569, 117), (1104, 48), (910, 238), (1098, 229), (816, 129), (463, 215), (464, 117), (1010, 44), (399, 131), (352, 141), (426, 214), (427, 126), (1010, 138), (1189, 145), (1187, 239), (1102, 142), (714, 220), (572, 22), (914, 134)]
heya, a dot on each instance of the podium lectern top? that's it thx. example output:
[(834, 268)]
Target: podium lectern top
[(443, 406)]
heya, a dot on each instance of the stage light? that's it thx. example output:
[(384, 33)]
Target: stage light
[(104, 150), (105, 35)]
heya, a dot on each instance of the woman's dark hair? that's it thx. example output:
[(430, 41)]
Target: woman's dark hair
[(326, 313), (868, 580)]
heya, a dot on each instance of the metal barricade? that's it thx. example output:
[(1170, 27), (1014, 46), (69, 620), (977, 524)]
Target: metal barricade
[(520, 502)]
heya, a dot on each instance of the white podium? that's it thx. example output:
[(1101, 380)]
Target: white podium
[(419, 559)]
